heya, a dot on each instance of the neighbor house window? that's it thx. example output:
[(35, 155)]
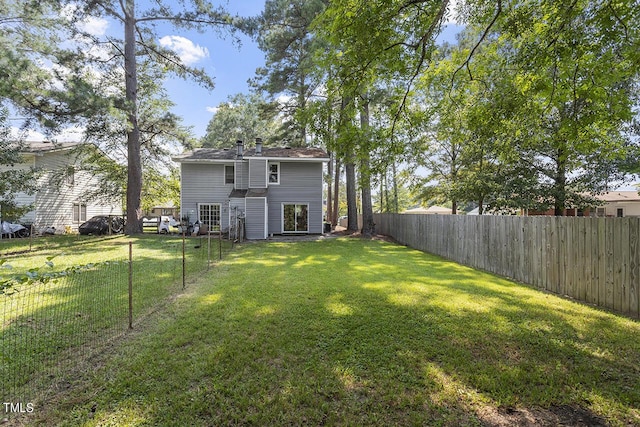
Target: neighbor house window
[(274, 173), (601, 212), (209, 215), (79, 212), (620, 212), (229, 175)]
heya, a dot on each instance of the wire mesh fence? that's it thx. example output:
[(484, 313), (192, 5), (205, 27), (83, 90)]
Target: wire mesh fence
[(61, 307)]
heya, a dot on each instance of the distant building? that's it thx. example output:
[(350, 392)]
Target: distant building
[(60, 200)]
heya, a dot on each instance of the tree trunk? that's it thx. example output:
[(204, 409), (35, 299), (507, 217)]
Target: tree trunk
[(396, 208), (560, 184), (368, 226), (134, 163), (382, 192), (352, 203), (329, 217), (336, 193)]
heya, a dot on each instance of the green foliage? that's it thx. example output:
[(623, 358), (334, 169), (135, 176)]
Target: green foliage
[(534, 106), (290, 72), (243, 118), (42, 275)]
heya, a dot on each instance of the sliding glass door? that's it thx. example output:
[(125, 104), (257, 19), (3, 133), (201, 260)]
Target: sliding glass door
[(295, 218)]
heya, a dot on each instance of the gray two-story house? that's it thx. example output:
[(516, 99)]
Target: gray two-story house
[(273, 190)]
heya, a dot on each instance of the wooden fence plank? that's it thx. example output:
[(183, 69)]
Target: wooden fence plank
[(596, 260), (579, 257), (593, 295), (610, 268), (588, 263), (602, 261), (634, 267)]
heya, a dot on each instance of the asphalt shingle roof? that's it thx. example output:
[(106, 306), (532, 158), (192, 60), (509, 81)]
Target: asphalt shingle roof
[(271, 152)]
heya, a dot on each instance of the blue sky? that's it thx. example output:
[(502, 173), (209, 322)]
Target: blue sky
[(230, 65)]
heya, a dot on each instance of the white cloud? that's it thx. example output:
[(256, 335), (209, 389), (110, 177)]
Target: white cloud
[(72, 134), (188, 52), (284, 99), (212, 109), (25, 134), (94, 26), (452, 16)]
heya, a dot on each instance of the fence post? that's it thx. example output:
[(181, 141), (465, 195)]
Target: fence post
[(220, 245), (183, 263), (208, 250), (130, 285)]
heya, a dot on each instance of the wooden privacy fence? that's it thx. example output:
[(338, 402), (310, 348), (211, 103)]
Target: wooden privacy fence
[(595, 260)]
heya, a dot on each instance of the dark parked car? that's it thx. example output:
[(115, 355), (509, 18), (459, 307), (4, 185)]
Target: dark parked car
[(100, 224)]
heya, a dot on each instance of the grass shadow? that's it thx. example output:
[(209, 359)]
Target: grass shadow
[(351, 332)]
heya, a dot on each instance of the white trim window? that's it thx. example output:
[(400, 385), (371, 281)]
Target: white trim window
[(273, 173), (79, 212), (209, 215), (295, 218)]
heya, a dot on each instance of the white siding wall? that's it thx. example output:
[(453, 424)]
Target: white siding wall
[(300, 182), (204, 183), (54, 203), (629, 208), (23, 199)]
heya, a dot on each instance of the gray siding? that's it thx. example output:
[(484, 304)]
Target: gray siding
[(257, 173), (204, 183), (242, 174), (255, 218), (300, 182), (240, 208)]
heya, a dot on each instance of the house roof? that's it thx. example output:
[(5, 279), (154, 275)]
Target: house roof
[(257, 192), (619, 196), (252, 192), (438, 210), (46, 146), (217, 154), (417, 210), (237, 194)]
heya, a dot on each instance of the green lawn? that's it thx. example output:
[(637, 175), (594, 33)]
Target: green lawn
[(46, 326), (352, 332)]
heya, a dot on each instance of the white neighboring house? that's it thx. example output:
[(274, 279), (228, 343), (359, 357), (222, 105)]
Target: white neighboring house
[(59, 203), (618, 204)]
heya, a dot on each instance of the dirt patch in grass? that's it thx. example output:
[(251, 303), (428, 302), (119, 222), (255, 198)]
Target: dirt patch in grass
[(563, 415)]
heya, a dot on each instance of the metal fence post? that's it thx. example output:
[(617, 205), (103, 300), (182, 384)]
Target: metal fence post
[(208, 250), (130, 285), (183, 262), (220, 245)]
